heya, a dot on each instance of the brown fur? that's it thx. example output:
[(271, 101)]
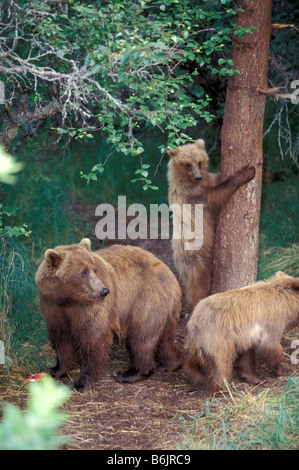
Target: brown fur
[(191, 183), (142, 308), (226, 325)]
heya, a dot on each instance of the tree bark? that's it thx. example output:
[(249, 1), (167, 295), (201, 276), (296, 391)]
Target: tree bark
[(237, 234)]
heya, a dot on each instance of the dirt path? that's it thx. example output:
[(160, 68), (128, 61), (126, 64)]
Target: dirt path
[(143, 416)]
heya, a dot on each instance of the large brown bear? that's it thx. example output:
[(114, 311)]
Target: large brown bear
[(88, 297), (233, 323), (191, 183)]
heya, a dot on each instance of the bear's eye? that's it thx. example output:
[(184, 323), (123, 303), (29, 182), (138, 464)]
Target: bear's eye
[(188, 166), (199, 165), (85, 274)]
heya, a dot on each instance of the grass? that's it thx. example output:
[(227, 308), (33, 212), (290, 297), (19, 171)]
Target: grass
[(279, 228), (21, 326), (246, 420), (277, 258), (279, 224)]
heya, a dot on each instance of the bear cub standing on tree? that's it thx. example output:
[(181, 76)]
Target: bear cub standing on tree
[(230, 324), (191, 183), (88, 297)]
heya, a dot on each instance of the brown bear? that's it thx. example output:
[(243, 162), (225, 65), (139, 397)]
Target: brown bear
[(89, 297), (190, 183), (235, 323)]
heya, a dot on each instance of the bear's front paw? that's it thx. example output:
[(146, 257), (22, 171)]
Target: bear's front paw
[(56, 373), (130, 376), (82, 384), (246, 174), (118, 376)]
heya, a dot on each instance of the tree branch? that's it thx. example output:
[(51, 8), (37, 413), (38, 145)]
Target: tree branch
[(273, 92), (283, 26), (16, 120)]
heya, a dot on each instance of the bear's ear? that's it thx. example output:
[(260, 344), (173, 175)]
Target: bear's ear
[(280, 274), (201, 144), (290, 282), (53, 258), (171, 152), (86, 243)]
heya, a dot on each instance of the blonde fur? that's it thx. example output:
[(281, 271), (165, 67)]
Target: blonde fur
[(227, 325), (189, 182)]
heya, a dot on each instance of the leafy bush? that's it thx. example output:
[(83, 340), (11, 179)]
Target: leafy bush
[(36, 428)]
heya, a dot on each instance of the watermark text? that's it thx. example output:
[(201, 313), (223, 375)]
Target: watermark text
[(295, 354), (295, 95), (134, 222), (2, 93), (2, 353)]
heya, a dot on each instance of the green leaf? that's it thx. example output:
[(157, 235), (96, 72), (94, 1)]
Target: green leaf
[(97, 68), (126, 57), (121, 77)]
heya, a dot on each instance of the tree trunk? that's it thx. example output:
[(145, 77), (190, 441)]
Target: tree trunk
[(237, 235)]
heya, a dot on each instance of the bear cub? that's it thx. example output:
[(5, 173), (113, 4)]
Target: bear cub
[(88, 298), (231, 325), (189, 182)]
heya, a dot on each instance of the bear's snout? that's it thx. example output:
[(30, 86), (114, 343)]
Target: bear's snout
[(101, 294), (104, 292), (198, 178)]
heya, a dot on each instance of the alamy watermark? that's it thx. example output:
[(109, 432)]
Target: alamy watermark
[(295, 95), (134, 222), (2, 93), (2, 353), (295, 354)]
